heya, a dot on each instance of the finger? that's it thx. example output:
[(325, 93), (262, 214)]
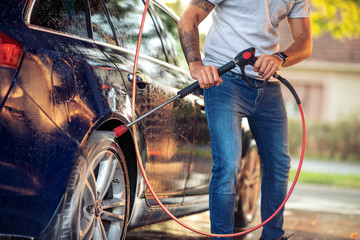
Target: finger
[(266, 66), (262, 69), (258, 63), (206, 80), (209, 77), (270, 70), (215, 76), (202, 78), (200, 81), (220, 81)]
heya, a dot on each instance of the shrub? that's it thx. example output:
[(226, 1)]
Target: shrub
[(335, 141)]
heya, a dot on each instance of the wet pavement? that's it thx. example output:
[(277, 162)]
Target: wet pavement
[(312, 213), (323, 166)]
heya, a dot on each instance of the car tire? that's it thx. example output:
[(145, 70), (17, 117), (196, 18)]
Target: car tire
[(248, 189), (96, 204)]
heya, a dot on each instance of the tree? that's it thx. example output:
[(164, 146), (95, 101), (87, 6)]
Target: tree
[(178, 6), (340, 18)]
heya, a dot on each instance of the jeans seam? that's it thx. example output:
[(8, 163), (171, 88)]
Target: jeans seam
[(262, 161), (258, 98)]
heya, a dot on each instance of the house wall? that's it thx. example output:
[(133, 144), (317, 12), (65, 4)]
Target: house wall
[(329, 91)]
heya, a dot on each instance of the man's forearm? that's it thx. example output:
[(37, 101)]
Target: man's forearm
[(189, 39), (301, 48), (193, 15)]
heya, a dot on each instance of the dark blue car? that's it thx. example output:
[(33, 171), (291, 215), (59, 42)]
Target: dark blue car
[(65, 84)]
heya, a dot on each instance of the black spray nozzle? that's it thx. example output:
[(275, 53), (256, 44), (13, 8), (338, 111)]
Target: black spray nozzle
[(246, 57)]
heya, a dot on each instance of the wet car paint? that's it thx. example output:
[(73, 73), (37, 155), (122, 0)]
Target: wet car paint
[(68, 87), (45, 120), (43, 124), (46, 131)]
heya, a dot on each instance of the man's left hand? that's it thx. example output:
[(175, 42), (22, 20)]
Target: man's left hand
[(267, 65)]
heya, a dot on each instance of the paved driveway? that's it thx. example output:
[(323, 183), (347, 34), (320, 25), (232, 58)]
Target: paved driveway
[(312, 213)]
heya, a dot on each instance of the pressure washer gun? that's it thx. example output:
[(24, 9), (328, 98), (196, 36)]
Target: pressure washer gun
[(246, 57)]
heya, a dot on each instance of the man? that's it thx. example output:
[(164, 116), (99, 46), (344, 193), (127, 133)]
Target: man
[(238, 25)]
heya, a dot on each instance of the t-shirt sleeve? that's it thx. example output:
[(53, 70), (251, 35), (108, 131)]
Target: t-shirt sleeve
[(215, 2), (300, 9)]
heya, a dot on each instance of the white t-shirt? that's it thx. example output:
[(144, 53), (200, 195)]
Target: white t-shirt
[(241, 24)]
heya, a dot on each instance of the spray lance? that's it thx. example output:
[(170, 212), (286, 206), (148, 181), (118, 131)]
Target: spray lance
[(246, 57), (120, 130)]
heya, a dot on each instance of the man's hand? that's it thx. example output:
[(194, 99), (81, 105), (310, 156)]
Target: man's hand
[(207, 76), (267, 65), (298, 50)]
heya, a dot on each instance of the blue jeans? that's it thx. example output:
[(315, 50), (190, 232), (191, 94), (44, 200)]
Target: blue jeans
[(225, 107)]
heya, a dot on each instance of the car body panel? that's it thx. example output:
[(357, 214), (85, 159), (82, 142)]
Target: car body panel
[(45, 127), (69, 86)]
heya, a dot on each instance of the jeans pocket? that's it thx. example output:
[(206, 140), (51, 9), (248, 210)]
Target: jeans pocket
[(231, 75)]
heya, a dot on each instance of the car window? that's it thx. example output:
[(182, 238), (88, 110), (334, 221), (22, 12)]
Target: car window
[(175, 53), (67, 16), (101, 27), (126, 16)]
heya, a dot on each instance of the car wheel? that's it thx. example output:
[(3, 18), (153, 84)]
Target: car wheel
[(248, 189), (96, 203)]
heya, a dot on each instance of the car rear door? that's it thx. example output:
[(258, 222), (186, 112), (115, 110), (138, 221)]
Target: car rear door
[(167, 133), (201, 161)]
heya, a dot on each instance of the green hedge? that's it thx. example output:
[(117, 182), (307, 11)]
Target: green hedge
[(331, 141)]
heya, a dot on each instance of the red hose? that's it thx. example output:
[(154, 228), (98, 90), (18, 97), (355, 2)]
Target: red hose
[(139, 159)]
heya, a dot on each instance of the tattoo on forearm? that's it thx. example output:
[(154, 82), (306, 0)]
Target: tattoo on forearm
[(190, 44), (204, 4)]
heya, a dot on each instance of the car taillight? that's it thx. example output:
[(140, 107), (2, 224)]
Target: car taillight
[(11, 51)]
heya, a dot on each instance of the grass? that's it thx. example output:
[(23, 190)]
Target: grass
[(336, 180)]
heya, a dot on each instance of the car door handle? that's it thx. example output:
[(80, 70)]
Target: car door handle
[(141, 80)]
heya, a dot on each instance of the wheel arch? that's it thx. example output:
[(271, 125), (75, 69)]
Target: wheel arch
[(126, 143)]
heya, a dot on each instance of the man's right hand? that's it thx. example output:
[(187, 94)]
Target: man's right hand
[(207, 76)]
